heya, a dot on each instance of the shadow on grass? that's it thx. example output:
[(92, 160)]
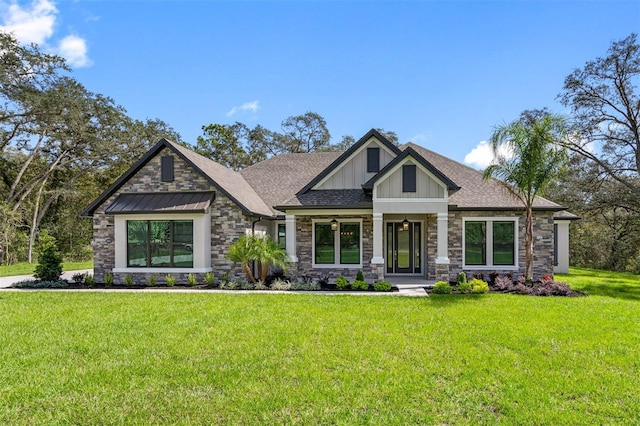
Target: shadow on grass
[(603, 283)]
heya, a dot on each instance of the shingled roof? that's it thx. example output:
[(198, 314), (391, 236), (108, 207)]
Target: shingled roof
[(476, 193), (229, 182)]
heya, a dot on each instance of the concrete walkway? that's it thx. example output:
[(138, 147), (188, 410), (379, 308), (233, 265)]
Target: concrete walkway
[(411, 290), (7, 281)]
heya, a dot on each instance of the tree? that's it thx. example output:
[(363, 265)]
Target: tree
[(527, 158), (305, 133), (264, 250), (230, 145), (606, 108)]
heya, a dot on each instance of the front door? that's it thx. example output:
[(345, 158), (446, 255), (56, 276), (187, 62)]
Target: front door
[(403, 248)]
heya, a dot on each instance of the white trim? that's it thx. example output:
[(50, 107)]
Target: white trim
[(328, 212), (489, 242), (162, 270), (201, 241), (411, 200), (336, 245)]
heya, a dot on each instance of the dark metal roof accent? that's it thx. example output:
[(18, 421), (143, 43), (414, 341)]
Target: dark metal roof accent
[(565, 215), (161, 202), (371, 133), (420, 159), (329, 199)]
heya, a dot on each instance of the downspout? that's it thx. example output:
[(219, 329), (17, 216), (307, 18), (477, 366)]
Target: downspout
[(253, 233)]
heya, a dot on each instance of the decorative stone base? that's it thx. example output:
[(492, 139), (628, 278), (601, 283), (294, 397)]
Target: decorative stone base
[(442, 272)]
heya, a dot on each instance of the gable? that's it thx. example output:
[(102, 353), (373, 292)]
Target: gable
[(426, 184), (347, 155), (353, 171)]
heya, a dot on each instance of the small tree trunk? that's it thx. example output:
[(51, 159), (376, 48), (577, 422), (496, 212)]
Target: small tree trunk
[(247, 270), (529, 246)]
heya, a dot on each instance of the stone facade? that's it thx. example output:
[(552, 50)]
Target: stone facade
[(227, 221), (542, 246), (304, 251)]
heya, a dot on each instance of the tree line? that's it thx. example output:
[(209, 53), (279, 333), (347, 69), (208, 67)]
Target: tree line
[(62, 144)]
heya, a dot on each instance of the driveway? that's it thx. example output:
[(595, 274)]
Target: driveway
[(7, 281)]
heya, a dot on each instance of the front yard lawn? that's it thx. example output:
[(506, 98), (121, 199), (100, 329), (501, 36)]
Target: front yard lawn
[(140, 358), (25, 268)]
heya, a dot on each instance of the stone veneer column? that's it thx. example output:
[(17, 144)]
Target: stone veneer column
[(290, 236), (442, 259)]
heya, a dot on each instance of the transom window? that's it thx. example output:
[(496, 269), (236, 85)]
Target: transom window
[(490, 242), (339, 247), (160, 243)]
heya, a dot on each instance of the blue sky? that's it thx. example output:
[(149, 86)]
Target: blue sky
[(441, 74)]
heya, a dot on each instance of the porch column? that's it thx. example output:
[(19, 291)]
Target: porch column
[(442, 259), (378, 249), (290, 237), (443, 239)]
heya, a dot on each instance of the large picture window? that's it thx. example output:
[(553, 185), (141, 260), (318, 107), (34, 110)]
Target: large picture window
[(160, 243), (490, 242), (339, 247)]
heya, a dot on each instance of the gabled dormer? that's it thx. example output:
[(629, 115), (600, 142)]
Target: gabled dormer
[(357, 165)]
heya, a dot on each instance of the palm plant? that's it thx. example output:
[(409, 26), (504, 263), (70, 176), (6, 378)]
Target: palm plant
[(264, 250), (527, 158)]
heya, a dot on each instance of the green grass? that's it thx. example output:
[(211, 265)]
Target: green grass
[(25, 268), (595, 282), (212, 358)]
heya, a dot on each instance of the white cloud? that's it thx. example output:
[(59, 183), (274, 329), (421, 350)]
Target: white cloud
[(482, 155), (35, 23), (74, 50), (247, 106), (419, 139), (31, 24)]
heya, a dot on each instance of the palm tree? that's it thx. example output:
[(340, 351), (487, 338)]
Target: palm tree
[(268, 252), (264, 250), (527, 158), (244, 251)]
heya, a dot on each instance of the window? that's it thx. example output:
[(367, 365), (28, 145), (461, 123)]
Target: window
[(503, 247), (409, 178), (324, 246), (373, 160), (475, 243), (166, 166), (339, 247), (282, 236), (160, 243), (490, 242)]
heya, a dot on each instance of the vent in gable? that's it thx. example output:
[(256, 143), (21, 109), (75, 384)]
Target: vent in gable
[(166, 173), (373, 160)]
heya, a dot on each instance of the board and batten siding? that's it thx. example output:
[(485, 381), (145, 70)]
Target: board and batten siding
[(426, 186), (353, 172)]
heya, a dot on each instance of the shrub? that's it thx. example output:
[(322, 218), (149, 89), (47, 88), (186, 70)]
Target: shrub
[(79, 278), (464, 287), (479, 286), (49, 267), (462, 278), (40, 284), (324, 280), (89, 280), (128, 280), (503, 283), (260, 285), (108, 280), (224, 278), (382, 286), (170, 280), (359, 276), (152, 280), (342, 283), (209, 279), (360, 285), (191, 280), (279, 284), (304, 286), (521, 288), (442, 287), (247, 285)]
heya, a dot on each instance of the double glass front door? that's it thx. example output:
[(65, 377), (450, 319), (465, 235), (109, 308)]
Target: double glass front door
[(403, 248)]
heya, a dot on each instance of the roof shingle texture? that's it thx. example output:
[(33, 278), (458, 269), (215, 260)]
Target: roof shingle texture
[(475, 191), (232, 182), (279, 178)]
